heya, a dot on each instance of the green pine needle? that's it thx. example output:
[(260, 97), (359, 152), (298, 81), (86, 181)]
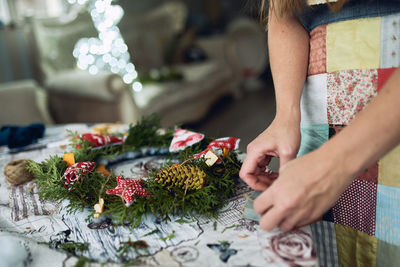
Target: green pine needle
[(145, 134)]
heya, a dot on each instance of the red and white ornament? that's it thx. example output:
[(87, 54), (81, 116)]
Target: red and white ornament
[(128, 190), (75, 172), (97, 140), (218, 145), (183, 139)]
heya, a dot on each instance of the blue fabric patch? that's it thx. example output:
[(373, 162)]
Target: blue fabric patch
[(328, 216), (317, 15), (312, 137), (388, 214)]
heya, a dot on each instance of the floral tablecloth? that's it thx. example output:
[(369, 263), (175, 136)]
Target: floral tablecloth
[(28, 225)]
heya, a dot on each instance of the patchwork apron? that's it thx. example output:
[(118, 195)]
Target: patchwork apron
[(352, 55)]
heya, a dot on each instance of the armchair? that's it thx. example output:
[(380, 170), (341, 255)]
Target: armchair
[(77, 96), (23, 102)]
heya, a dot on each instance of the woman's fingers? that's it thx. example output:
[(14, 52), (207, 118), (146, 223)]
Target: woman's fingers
[(271, 219), (294, 220), (263, 202), (253, 171)]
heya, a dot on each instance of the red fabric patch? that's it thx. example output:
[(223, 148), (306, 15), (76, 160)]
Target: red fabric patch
[(230, 143), (383, 76), (356, 207), (96, 140), (317, 58), (75, 172), (370, 174)]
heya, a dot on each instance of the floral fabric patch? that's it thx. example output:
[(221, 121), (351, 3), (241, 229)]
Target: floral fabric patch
[(349, 92)]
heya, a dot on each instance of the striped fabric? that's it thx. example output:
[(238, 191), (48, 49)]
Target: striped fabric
[(324, 237)]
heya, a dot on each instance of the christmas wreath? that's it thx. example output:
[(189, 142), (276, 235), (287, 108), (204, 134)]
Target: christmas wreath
[(199, 176)]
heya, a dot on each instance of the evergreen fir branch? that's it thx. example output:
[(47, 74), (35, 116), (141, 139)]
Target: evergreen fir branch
[(215, 225), (182, 221), (165, 203), (152, 232), (50, 182), (221, 181), (73, 247), (168, 237), (146, 134), (82, 261), (231, 226), (188, 152)]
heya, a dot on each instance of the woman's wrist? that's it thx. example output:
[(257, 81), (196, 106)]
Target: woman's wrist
[(289, 114), (343, 158)]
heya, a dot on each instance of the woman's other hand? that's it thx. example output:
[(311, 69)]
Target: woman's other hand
[(281, 139), (306, 188)]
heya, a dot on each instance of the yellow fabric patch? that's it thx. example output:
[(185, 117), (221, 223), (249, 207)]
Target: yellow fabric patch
[(389, 168), (102, 169), (353, 44), (355, 248), (69, 158)]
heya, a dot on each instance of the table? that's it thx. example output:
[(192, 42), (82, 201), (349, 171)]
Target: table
[(229, 240)]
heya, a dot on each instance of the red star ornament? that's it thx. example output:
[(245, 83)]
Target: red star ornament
[(97, 140), (128, 190), (75, 172)]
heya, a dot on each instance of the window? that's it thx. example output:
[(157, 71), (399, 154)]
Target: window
[(15, 10)]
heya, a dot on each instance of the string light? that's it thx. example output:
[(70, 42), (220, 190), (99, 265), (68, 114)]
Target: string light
[(108, 51)]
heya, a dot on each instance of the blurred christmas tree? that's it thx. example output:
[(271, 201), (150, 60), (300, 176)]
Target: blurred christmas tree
[(109, 51)]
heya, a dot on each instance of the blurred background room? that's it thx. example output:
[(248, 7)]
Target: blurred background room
[(198, 63)]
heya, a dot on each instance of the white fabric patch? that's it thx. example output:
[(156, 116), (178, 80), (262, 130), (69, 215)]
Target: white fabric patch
[(319, 2), (390, 41), (313, 101)]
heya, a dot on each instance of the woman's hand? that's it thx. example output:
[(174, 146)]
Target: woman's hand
[(281, 139), (288, 46), (306, 188), (310, 185)]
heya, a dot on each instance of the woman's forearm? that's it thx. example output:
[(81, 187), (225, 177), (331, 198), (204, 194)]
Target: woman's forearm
[(373, 133), (288, 44)]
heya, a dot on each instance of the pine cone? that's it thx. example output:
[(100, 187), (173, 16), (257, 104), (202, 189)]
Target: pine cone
[(187, 177)]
